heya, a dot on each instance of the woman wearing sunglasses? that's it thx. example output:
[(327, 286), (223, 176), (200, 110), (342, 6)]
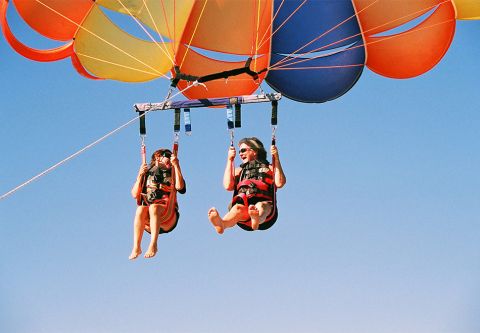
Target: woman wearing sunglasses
[(254, 184), (155, 190)]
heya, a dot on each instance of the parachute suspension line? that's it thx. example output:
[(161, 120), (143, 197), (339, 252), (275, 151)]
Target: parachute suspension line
[(162, 48), (100, 38), (284, 22), (357, 46), (286, 60), (194, 32), (324, 34), (160, 35), (270, 24), (253, 50), (291, 61), (256, 22), (284, 68), (168, 27), (94, 143), (123, 66)]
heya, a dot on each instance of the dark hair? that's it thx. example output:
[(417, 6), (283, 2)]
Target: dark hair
[(256, 145), (158, 152)]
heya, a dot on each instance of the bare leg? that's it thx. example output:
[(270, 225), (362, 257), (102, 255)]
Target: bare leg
[(260, 213), (237, 213), (254, 216), (156, 212), (141, 216), (216, 220)]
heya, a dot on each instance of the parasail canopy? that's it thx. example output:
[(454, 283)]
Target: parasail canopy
[(308, 50)]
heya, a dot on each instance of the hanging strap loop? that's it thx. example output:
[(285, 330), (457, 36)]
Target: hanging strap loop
[(187, 121), (230, 123), (238, 115), (274, 120)]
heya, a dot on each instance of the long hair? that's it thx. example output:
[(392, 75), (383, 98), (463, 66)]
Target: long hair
[(158, 152), (256, 145)]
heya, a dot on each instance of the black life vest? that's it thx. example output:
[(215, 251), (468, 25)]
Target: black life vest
[(255, 180), (157, 185)]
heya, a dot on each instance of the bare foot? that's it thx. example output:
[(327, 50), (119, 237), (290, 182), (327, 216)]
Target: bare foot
[(151, 252), (254, 216), (135, 253), (216, 220)]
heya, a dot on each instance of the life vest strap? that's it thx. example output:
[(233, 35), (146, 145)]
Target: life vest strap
[(253, 183), (161, 187)]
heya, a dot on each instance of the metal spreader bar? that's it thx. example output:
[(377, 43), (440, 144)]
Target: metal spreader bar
[(200, 103)]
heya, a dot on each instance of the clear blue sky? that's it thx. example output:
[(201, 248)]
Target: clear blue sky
[(379, 222)]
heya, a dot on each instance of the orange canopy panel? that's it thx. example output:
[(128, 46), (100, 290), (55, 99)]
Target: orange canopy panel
[(107, 51), (200, 65), (230, 26), (58, 53), (415, 51), (55, 19), (376, 16)]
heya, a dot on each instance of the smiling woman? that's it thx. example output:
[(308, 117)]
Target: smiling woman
[(254, 184)]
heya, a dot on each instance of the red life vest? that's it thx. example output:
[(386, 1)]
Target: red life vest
[(255, 180)]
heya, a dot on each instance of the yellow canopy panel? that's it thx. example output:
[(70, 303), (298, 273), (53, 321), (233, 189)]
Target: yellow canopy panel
[(165, 17), (467, 9), (109, 52)]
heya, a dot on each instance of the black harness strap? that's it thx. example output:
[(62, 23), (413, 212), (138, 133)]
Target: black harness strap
[(143, 128), (238, 115), (215, 76), (176, 125)]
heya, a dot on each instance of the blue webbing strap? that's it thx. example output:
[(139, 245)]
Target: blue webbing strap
[(230, 123), (188, 122)]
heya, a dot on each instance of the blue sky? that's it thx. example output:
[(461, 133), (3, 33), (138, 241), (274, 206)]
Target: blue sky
[(378, 228)]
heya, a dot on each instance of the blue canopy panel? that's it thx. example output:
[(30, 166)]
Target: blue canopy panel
[(334, 58)]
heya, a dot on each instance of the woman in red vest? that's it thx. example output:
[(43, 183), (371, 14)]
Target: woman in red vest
[(155, 191), (254, 184)]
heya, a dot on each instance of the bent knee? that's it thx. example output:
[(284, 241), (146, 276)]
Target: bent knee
[(142, 211), (264, 207), (156, 210)]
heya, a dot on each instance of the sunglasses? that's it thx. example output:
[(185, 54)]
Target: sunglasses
[(243, 150), (166, 154)]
